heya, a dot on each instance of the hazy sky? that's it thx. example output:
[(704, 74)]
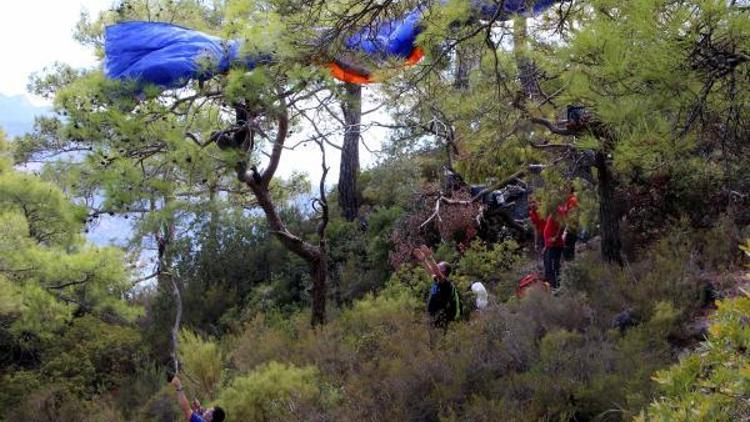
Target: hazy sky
[(36, 33)]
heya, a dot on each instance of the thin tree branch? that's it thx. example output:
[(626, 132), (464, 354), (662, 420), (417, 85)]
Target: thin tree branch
[(142, 279), (86, 279), (551, 126)]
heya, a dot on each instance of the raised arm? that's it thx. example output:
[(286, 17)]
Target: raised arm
[(536, 220), (424, 255), (181, 398)]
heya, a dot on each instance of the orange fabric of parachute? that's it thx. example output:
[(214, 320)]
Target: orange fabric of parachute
[(344, 75), (416, 55)]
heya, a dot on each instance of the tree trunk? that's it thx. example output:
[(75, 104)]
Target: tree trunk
[(609, 218), (213, 218), (527, 71), (319, 274), (314, 256), (259, 183), (351, 105), (166, 281), (466, 60)]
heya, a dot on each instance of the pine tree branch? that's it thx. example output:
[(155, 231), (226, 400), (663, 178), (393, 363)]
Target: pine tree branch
[(552, 127)]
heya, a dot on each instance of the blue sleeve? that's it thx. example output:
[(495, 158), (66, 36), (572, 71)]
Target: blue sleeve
[(195, 418), (433, 303)]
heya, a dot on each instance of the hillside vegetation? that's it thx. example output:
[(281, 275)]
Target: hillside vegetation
[(300, 299)]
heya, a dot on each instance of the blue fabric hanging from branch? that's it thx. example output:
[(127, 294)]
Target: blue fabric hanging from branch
[(390, 39), (169, 55)]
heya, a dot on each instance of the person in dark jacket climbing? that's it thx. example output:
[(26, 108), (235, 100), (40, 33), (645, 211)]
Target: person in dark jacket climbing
[(444, 303)]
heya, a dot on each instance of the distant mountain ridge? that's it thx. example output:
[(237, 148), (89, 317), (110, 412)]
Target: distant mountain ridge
[(17, 114)]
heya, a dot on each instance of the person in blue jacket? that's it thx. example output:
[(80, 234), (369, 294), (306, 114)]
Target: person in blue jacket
[(196, 413), (444, 303)]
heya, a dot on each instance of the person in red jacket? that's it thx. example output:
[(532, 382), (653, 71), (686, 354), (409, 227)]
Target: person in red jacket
[(552, 229)]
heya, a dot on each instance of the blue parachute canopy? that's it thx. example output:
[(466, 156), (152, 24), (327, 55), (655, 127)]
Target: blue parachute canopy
[(166, 55), (392, 38), (169, 56), (396, 38)]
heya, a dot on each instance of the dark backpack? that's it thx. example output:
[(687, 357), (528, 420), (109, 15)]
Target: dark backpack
[(445, 303)]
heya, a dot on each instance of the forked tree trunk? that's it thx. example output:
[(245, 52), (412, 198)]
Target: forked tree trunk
[(351, 105), (314, 256)]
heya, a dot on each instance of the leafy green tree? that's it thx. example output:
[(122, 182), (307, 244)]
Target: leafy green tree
[(656, 76), (658, 82), (65, 322), (171, 156), (237, 269), (50, 271)]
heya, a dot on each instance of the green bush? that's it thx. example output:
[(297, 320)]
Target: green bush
[(56, 403), (270, 393), (90, 358), (713, 382), (202, 364), (380, 356), (138, 394), (160, 406), (493, 265), (667, 273)]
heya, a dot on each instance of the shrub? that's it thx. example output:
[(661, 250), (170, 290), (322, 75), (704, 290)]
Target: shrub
[(261, 342), (269, 393), (711, 383), (490, 264), (541, 357), (415, 278), (666, 274), (202, 364), (717, 248), (55, 403), (141, 387), (161, 406)]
